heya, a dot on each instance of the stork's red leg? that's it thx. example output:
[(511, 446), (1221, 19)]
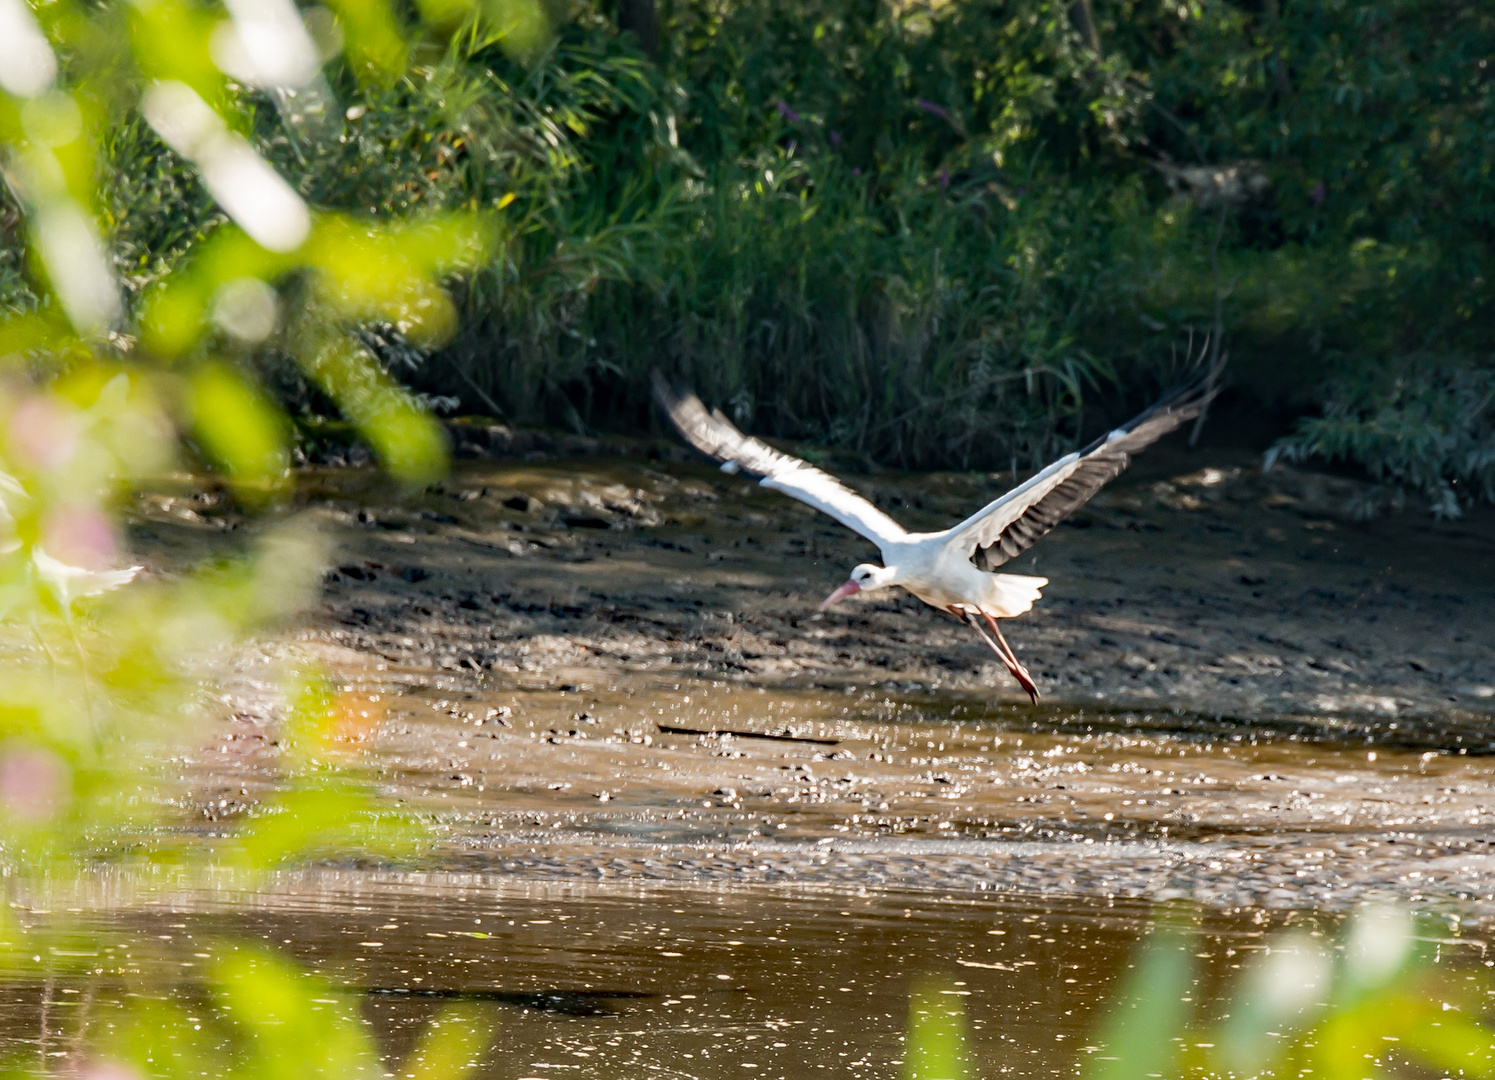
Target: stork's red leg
[(1001, 639), (1004, 653), (1019, 672)]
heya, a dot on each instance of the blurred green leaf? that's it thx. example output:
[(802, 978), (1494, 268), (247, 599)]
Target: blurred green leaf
[(241, 429), (1281, 991), (178, 311), (298, 1024), (1380, 944), (447, 14), (935, 1046), (520, 28), (156, 1039), (408, 442), (319, 819), (172, 39), (373, 40), (1140, 1038), (1442, 1035), (452, 1045)]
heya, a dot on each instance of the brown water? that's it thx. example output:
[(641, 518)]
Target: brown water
[(610, 981), (740, 905)]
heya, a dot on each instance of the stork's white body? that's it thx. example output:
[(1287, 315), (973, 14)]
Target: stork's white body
[(942, 575), (951, 570)]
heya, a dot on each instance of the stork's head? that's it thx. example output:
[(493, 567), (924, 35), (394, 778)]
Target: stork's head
[(864, 578)]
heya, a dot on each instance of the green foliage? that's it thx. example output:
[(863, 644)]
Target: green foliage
[(1374, 1005), (101, 685), (1431, 431), (1138, 1038), (934, 1048), (865, 223), (251, 1014), (132, 312), (126, 327), (971, 217), (815, 240)]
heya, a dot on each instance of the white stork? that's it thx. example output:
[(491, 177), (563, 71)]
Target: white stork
[(949, 570)]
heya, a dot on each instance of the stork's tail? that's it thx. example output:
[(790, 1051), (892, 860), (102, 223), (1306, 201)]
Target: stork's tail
[(1014, 594)]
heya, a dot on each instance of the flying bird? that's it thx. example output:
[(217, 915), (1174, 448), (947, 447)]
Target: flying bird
[(952, 570)]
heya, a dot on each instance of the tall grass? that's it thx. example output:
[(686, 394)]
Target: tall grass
[(936, 234), (933, 234), (811, 265), (797, 304)]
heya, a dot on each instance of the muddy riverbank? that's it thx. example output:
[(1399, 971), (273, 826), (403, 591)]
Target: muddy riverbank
[(612, 668)]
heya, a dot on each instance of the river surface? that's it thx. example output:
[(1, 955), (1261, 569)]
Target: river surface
[(594, 980)]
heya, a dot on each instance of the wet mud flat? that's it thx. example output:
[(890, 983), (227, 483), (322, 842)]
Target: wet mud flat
[(611, 670)]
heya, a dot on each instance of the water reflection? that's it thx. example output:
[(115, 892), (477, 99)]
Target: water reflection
[(612, 980)]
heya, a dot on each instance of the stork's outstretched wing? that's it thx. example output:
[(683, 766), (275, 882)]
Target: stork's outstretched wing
[(1015, 522), (713, 434)]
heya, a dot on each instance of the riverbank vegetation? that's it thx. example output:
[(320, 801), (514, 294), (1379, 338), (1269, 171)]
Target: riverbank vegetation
[(939, 235)]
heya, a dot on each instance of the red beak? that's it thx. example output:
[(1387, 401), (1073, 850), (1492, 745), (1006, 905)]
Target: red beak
[(851, 588)]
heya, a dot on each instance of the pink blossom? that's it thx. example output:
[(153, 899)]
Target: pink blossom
[(42, 433), (80, 536), (33, 783)]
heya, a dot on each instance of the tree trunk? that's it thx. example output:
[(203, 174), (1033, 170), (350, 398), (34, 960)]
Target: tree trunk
[(1282, 83), (641, 18), (1082, 18)]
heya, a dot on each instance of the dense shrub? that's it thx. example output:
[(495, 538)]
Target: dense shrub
[(940, 233)]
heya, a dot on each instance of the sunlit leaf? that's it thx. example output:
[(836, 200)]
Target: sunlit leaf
[(373, 41), (408, 442), (1281, 991), (155, 1039), (935, 1046), (447, 14), (1379, 945), (1444, 1036), (298, 1024), (172, 41), (240, 429), (452, 1045), (177, 313), (519, 27), (303, 823), (39, 330), (1141, 1035)]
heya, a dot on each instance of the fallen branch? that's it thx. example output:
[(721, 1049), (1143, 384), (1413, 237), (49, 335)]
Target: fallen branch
[(719, 732)]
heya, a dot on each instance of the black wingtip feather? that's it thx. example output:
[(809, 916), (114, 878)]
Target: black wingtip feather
[(1100, 462), (1185, 401)]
